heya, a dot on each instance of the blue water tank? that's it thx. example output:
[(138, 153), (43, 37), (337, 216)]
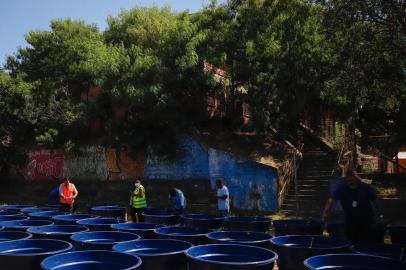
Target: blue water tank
[(70, 219), (196, 236), (238, 237), (230, 257), (28, 254), (99, 224), (101, 240), (254, 224), (157, 254), (203, 221), (352, 262), (294, 249), (109, 211), (23, 225), (394, 251), (145, 230), (13, 235), (58, 232), (45, 214), (297, 226), (91, 260)]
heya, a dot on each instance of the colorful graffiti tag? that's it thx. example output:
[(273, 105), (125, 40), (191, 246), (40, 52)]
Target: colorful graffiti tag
[(44, 165)]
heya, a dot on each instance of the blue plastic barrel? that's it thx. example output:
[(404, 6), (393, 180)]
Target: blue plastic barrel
[(352, 262), (254, 224), (297, 226), (238, 237), (59, 232), (38, 209), (203, 221), (23, 225), (109, 211), (28, 254), (10, 213), (230, 257), (99, 224), (145, 230), (157, 254), (294, 249), (394, 251), (15, 207), (337, 230), (45, 214), (398, 234), (156, 211), (91, 260), (13, 235), (70, 219), (101, 240), (12, 217), (166, 219), (196, 236)]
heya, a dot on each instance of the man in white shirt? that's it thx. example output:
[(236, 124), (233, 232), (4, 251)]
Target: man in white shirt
[(223, 201)]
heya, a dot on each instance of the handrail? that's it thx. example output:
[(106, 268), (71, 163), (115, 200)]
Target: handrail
[(292, 171), (339, 156)]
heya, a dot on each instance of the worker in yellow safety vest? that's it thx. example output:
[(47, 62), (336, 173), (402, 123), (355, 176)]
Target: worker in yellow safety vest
[(138, 201)]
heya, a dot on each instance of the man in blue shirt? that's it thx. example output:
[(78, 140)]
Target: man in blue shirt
[(177, 201), (358, 202)]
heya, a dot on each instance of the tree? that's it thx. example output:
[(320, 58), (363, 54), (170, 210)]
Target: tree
[(367, 83), (276, 49), (62, 64), (163, 84), (17, 115)]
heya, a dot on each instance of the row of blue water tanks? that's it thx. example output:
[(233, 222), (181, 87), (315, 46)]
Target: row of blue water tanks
[(176, 247)]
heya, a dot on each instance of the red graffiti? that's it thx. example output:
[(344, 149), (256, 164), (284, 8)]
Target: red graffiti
[(45, 165)]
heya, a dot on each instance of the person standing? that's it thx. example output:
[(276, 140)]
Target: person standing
[(177, 201), (138, 201), (358, 202), (223, 201), (67, 195)]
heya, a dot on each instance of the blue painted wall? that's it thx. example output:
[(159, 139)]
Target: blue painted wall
[(193, 163), (251, 185)]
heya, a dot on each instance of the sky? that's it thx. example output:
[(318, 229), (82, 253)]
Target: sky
[(18, 17)]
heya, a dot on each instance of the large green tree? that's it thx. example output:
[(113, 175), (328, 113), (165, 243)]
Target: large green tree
[(275, 48), (18, 120), (163, 84), (62, 64), (367, 83)]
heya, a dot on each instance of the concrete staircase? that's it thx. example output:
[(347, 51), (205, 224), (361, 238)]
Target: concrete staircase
[(313, 184)]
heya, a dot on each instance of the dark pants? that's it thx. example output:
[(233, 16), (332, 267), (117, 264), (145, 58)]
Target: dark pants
[(137, 212), (66, 207)]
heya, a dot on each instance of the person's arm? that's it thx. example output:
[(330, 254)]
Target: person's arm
[(75, 192), (142, 192), (327, 207), (223, 195), (61, 192)]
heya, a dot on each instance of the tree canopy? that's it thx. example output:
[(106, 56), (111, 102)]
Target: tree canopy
[(289, 56)]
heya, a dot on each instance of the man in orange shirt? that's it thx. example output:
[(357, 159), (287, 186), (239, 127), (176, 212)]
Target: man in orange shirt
[(67, 195)]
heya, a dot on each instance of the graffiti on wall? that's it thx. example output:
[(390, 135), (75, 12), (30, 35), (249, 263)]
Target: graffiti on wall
[(192, 164), (122, 167), (251, 185), (91, 164), (44, 165)]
